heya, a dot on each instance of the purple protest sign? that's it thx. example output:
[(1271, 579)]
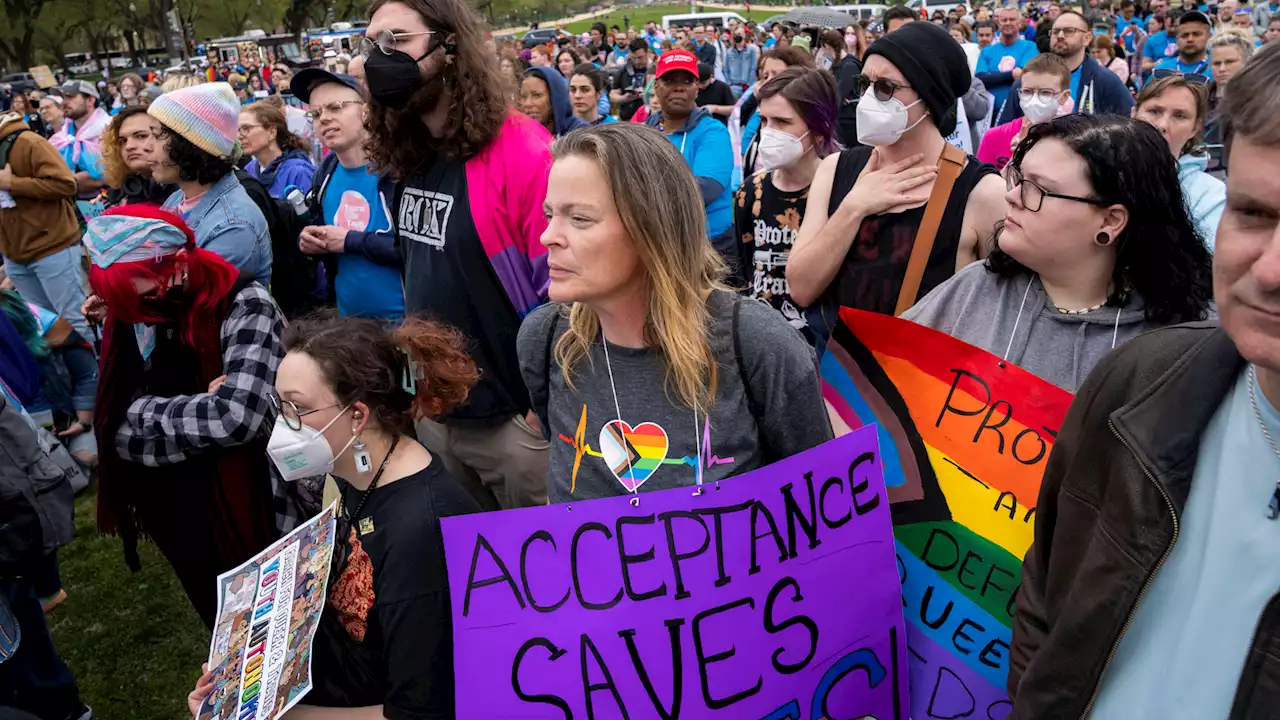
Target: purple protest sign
[(772, 595)]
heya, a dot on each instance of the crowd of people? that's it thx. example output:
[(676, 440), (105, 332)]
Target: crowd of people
[(410, 274)]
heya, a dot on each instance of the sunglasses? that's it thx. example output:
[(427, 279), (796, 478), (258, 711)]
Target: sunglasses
[(1193, 78), (883, 89)]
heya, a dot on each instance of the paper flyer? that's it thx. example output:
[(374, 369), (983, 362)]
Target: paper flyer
[(268, 612)]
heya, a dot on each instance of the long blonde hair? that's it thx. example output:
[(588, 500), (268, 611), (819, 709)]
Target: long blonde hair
[(661, 209)]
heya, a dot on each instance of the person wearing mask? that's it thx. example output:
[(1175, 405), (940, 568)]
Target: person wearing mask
[(1193, 37), (1094, 88), (628, 84), (79, 141), (798, 111), (22, 105), (127, 146), (1149, 587), (1057, 293), (1043, 95), (281, 160), (384, 648), (702, 142), (196, 151), (866, 201), (586, 89), (740, 64), (189, 352), (350, 206), (544, 96), (1178, 108), (1000, 63), (1228, 52), (740, 384), (714, 95), (744, 122), (468, 221)]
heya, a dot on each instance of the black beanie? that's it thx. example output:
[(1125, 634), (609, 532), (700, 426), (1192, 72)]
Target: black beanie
[(932, 63)]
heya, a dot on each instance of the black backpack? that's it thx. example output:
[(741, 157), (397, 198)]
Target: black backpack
[(293, 272), (36, 498)]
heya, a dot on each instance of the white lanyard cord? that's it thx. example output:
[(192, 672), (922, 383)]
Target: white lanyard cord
[(1018, 319)]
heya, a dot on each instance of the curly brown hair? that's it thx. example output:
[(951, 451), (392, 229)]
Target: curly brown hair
[(469, 80), (363, 362), (114, 170)]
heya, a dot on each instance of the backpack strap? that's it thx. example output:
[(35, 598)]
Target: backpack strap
[(6, 145)]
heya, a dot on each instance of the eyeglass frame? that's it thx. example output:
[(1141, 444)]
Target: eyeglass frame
[(367, 45), (246, 128), (1028, 93), (316, 113), (279, 403), (1022, 182), (1066, 32), (862, 83)]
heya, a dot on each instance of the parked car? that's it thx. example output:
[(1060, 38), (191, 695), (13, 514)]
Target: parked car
[(19, 82), (542, 36)]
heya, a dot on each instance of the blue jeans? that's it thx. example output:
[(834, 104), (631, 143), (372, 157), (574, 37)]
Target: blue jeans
[(55, 282), (35, 679)]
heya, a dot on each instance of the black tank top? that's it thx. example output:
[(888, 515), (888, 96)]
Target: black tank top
[(873, 270)]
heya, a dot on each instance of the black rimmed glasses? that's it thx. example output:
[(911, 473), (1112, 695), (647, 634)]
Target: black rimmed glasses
[(1033, 195), (291, 413), (883, 89), (387, 41)]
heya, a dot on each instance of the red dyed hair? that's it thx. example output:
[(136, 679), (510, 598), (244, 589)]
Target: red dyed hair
[(208, 279)]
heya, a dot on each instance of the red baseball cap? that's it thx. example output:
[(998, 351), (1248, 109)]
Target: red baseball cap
[(673, 60)]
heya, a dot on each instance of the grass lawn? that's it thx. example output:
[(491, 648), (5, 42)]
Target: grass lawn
[(641, 15), (132, 640)]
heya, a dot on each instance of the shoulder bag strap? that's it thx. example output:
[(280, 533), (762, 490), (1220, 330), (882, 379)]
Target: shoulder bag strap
[(949, 166)]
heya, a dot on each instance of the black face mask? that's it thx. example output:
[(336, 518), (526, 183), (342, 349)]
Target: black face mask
[(394, 78)]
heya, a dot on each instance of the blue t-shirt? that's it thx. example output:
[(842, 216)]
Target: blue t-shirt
[(1000, 58), (1196, 68), (1185, 649), (1075, 85), (364, 288), (1129, 41), (1159, 46)]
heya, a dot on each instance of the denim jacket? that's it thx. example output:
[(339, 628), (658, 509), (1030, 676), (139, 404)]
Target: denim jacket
[(740, 65), (226, 221)]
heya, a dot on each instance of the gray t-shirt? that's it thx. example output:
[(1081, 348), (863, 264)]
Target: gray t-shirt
[(983, 309), (590, 450)]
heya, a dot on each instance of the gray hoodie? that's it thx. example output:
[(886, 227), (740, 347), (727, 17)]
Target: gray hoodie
[(982, 308)]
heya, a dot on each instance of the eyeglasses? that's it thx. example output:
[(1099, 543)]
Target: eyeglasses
[(1044, 94), (884, 89), (332, 108), (1033, 195), (1193, 78), (291, 414), (1066, 32), (246, 128), (386, 41)]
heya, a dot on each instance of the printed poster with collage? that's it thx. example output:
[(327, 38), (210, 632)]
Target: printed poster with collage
[(268, 612)]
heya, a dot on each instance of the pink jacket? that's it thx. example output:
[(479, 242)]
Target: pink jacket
[(506, 186), (995, 148)]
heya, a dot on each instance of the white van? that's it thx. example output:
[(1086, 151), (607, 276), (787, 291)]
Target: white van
[(720, 19)]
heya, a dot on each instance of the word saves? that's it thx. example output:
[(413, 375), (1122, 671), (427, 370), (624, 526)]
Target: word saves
[(628, 607)]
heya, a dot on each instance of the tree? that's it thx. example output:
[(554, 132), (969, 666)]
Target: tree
[(54, 31), (17, 37)]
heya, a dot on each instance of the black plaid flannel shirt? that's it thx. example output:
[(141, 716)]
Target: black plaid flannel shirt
[(164, 431)]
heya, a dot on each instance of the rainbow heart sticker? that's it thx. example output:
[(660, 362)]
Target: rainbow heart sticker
[(633, 454)]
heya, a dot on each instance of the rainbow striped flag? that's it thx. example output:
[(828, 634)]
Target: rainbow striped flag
[(965, 437)]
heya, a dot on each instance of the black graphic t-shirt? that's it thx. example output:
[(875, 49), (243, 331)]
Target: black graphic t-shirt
[(630, 79), (448, 277), (767, 221)]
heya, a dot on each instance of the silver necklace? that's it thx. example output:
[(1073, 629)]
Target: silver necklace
[(1273, 509)]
